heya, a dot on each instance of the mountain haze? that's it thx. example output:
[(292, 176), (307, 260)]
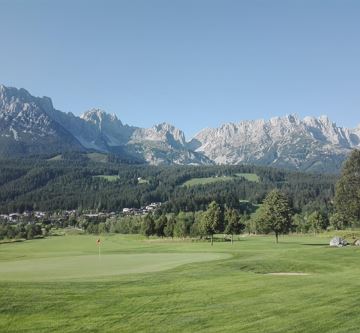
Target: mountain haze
[(32, 126)]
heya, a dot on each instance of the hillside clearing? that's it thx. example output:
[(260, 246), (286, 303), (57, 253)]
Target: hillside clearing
[(109, 178), (251, 177), (209, 180)]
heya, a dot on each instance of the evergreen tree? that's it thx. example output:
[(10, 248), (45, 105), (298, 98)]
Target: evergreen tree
[(182, 226), (347, 194), (160, 225), (148, 226), (275, 214), (169, 228)]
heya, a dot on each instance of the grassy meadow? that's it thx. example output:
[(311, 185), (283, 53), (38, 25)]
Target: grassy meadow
[(252, 177), (109, 178), (60, 284)]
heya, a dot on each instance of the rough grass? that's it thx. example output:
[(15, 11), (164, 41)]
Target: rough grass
[(97, 157), (143, 181), (251, 177), (231, 294), (203, 181), (109, 178), (55, 158)]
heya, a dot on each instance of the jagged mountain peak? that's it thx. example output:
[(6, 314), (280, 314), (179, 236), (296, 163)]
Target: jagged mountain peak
[(12, 95), (288, 120), (98, 115), (289, 142), (111, 130), (27, 125), (170, 130), (164, 126), (325, 119), (162, 132), (15, 92), (321, 120), (31, 125)]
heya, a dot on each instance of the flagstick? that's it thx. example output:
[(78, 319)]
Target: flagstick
[(99, 251)]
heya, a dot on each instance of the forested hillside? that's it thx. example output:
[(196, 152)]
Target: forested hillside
[(79, 181)]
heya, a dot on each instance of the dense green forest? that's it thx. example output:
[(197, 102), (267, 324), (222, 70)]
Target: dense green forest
[(75, 181)]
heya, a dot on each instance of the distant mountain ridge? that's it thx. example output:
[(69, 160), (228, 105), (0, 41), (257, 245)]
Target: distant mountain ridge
[(27, 128), (31, 125), (312, 144)]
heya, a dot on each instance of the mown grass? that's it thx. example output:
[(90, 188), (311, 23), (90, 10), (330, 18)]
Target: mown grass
[(209, 180), (230, 294)]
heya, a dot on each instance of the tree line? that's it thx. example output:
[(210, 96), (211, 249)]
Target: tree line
[(22, 231), (289, 202), (277, 214), (73, 183)]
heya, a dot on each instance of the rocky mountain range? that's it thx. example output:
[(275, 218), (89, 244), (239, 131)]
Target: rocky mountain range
[(32, 126), (310, 144)]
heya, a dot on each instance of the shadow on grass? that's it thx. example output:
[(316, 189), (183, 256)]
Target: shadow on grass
[(20, 240), (12, 241), (305, 244)]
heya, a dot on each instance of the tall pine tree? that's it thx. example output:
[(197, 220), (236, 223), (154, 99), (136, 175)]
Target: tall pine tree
[(347, 194)]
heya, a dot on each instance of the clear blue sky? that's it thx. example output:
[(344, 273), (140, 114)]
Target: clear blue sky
[(193, 63)]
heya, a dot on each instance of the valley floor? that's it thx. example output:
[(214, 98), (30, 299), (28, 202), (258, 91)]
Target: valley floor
[(60, 284)]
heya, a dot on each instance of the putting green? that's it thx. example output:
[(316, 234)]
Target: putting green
[(93, 266)]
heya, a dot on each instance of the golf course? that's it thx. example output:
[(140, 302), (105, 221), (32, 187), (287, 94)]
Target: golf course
[(136, 284)]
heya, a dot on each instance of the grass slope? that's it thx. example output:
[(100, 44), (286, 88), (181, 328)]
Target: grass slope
[(97, 157), (209, 180), (231, 294), (251, 177), (109, 178)]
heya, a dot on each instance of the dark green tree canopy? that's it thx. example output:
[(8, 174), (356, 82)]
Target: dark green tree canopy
[(148, 226), (83, 184), (347, 195), (234, 222), (212, 221), (317, 221), (275, 214)]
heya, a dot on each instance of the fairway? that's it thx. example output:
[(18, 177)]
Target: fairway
[(59, 284), (88, 267)]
